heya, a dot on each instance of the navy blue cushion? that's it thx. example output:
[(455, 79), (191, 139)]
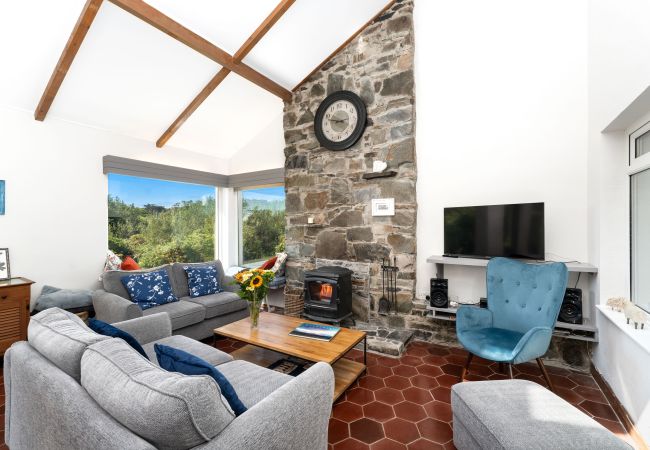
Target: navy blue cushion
[(175, 360), (202, 280), (149, 289), (109, 330)]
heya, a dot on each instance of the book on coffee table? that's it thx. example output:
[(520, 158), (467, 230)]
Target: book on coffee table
[(315, 331)]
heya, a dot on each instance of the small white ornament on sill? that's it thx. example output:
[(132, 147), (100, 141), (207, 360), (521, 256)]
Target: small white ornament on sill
[(383, 207), (310, 220), (379, 166)]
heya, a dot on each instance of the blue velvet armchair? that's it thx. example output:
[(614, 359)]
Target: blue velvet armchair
[(524, 301)]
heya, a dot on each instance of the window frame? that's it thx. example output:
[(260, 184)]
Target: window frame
[(240, 223), (636, 165)]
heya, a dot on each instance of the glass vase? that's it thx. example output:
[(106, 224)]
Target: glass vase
[(254, 312)]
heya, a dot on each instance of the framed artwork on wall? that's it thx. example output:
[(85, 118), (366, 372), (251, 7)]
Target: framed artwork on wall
[(2, 197), (5, 272)]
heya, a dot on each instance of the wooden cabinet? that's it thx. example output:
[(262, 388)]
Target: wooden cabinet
[(14, 311)]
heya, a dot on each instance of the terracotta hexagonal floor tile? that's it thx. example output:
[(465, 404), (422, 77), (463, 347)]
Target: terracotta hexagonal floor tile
[(351, 444), (387, 444), (388, 362), (360, 396), (389, 396), (447, 380), (337, 431), (424, 444), (477, 369), (424, 382), (565, 382), (401, 431), (397, 382), (427, 369), (599, 410), (594, 395), (442, 394), (417, 395), (405, 371), (409, 411), (570, 396), (347, 411), (435, 430), (371, 383), (437, 350), (366, 430), (452, 369), (457, 359), (434, 360), (438, 410), (583, 380), (410, 360), (416, 351), (378, 411), (379, 371), (474, 377)]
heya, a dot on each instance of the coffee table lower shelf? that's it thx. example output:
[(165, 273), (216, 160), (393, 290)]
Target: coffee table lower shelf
[(346, 371)]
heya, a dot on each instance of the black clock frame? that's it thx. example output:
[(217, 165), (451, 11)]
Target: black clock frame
[(358, 130)]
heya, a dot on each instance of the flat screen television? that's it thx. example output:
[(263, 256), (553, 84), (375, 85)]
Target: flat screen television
[(515, 231)]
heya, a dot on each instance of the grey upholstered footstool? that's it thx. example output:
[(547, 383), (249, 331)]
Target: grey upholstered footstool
[(519, 414)]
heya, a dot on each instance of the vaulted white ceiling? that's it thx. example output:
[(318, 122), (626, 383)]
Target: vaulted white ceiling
[(132, 79)]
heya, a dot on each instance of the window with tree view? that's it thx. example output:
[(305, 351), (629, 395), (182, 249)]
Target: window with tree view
[(261, 224), (159, 222)]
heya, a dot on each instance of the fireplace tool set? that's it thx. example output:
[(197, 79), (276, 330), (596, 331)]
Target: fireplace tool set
[(388, 298)]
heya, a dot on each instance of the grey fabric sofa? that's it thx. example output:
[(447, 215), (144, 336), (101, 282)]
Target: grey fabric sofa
[(191, 317), (521, 414), (69, 388)]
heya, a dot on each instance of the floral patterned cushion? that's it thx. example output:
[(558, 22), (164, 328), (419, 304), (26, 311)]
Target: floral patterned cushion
[(149, 289), (202, 280)]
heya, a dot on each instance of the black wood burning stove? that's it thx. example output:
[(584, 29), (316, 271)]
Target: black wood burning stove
[(328, 294)]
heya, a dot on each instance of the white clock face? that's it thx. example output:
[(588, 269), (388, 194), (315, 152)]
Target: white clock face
[(339, 121)]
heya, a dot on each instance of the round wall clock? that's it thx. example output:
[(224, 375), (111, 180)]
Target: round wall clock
[(340, 120)]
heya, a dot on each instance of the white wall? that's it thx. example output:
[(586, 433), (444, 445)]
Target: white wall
[(502, 118), (55, 224), (264, 151), (619, 71)]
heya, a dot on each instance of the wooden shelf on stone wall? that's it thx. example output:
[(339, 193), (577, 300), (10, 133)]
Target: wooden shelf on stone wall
[(372, 175)]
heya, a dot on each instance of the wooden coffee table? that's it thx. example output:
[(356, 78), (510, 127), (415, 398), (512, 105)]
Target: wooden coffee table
[(270, 342)]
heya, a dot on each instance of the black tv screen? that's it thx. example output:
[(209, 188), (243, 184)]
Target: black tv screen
[(515, 231)]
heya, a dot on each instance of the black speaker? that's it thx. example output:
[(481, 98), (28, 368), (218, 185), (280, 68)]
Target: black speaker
[(439, 297), (571, 310)]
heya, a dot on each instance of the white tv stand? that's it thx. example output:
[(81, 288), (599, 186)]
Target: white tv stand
[(586, 331)]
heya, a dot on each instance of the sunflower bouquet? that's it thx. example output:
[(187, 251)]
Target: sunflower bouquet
[(253, 287)]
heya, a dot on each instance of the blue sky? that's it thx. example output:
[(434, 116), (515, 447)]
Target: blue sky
[(141, 191)]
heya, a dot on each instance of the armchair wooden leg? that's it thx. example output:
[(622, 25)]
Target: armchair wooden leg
[(466, 368), (545, 373), (510, 371)]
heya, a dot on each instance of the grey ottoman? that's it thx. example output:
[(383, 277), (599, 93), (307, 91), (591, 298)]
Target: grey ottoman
[(519, 414)]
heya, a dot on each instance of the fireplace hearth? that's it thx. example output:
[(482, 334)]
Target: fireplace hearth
[(328, 294)]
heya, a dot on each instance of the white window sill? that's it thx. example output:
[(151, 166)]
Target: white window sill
[(641, 337)]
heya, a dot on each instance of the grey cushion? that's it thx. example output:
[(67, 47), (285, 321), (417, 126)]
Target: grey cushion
[(196, 348), (219, 304), (112, 280), (170, 410), (180, 276), (518, 414), (182, 314), (63, 298), (61, 337), (252, 382)]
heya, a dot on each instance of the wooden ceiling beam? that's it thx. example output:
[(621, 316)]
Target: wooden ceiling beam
[(253, 39), (182, 34), (67, 56)]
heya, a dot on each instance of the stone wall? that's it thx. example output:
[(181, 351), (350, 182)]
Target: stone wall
[(328, 185)]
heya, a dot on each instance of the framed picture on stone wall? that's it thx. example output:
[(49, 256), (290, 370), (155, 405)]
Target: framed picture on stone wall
[(5, 272), (383, 207)]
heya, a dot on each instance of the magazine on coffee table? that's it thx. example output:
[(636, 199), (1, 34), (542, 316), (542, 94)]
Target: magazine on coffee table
[(315, 331)]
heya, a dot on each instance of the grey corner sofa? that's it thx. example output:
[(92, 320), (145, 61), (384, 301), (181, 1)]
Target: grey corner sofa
[(192, 317), (70, 388)]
